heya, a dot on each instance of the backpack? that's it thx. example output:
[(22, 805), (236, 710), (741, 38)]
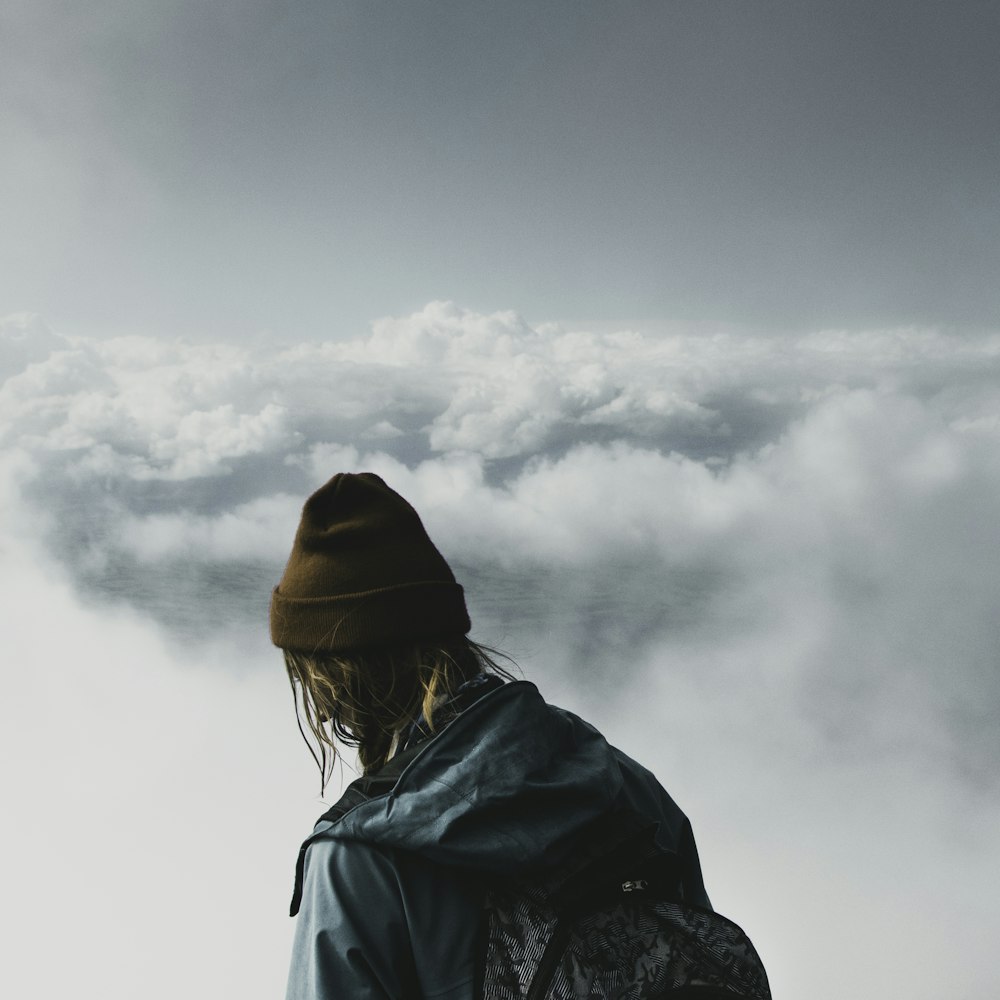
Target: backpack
[(596, 935)]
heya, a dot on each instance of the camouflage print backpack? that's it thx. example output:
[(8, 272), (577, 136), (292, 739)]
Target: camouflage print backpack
[(631, 939)]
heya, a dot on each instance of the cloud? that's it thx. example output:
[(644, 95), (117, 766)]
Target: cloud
[(24, 339), (739, 474), (765, 565), (447, 380), (138, 860)]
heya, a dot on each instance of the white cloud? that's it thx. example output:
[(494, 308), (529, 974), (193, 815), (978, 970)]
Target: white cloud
[(155, 805), (254, 530), (24, 339), (765, 564), (457, 381)]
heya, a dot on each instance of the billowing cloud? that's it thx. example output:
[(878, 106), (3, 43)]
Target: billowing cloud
[(445, 380), (524, 447), (775, 555)]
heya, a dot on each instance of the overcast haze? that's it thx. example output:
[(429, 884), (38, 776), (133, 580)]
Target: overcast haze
[(677, 324), (305, 167)]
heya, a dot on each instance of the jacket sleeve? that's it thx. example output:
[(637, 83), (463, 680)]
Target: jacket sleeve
[(376, 924), (351, 939)]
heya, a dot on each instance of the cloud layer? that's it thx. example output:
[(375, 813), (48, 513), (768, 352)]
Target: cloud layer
[(763, 564)]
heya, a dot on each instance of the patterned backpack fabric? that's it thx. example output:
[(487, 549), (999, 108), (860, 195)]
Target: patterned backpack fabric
[(628, 944)]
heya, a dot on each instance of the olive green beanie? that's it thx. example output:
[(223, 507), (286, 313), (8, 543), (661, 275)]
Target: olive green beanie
[(362, 574)]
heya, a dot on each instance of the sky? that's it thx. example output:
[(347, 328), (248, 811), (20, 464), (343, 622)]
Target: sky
[(301, 168), (677, 324)]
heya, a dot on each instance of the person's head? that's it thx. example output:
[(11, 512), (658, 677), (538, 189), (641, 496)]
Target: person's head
[(371, 620)]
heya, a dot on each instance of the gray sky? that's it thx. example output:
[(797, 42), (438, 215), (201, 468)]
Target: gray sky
[(304, 167)]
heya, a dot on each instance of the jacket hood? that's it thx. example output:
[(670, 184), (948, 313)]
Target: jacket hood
[(512, 785)]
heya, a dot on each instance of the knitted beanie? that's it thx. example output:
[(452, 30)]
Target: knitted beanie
[(363, 573)]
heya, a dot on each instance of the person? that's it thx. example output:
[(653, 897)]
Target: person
[(470, 780)]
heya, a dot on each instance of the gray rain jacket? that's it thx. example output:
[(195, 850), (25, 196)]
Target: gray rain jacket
[(390, 886)]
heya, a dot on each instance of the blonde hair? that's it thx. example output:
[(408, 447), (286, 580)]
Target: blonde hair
[(368, 699)]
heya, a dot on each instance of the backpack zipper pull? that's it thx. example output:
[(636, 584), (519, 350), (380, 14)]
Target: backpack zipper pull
[(636, 885)]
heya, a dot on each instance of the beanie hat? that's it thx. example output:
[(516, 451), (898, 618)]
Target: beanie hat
[(363, 573)]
